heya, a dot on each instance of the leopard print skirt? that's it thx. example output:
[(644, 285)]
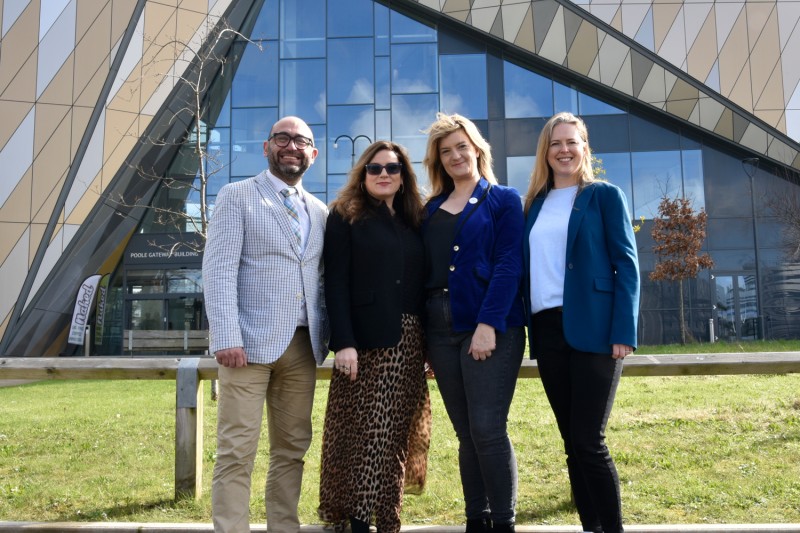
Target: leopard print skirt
[(376, 435)]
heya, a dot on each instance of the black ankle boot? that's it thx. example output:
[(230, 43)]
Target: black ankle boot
[(479, 525), (503, 528), (358, 526)]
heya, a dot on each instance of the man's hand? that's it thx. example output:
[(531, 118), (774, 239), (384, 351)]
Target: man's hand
[(231, 357)]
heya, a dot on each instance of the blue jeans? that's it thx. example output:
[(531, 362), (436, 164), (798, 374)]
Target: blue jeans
[(581, 387), (477, 396)]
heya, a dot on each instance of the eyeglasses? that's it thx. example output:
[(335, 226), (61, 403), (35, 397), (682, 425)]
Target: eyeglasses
[(375, 169), (282, 139)]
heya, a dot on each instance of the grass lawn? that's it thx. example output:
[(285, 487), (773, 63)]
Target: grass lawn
[(719, 449)]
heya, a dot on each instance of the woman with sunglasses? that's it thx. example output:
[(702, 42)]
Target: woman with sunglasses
[(377, 423), (474, 313)]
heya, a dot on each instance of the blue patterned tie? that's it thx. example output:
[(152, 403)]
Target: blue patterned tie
[(289, 201)]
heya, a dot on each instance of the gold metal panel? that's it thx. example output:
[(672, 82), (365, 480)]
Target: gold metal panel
[(612, 55), (514, 16), (200, 6), (768, 59), (754, 137), (663, 17), (59, 90), (742, 91), (584, 49), (22, 38), (4, 325), (51, 164), (462, 16), (525, 38), (703, 51), (13, 114), (12, 232), (87, 202), (34, 239), (188, 24), (483, 19), (17, 207), (118, 157), (87, 16), (653, 89), (710, 112), (453, 6), (47, 119), (774, 117), (554, 46), (772, 96), (89, 95), (93, 49), (117, 126), (120, 17), (80, 120), (22, 86), (624, 81), (681, 108), (731, 57), (725, 124), (757, 20)]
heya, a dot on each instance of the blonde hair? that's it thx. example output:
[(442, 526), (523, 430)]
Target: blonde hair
[(443, 126), (542, 175), (353, 202)]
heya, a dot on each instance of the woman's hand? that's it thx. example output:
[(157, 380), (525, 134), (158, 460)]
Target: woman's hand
[(619, 351), (483, 342), (346, 362)]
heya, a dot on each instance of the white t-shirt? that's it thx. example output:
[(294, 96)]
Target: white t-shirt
[(548, 248)]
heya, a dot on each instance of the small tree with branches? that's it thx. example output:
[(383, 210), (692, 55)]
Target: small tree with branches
[(679, 233)]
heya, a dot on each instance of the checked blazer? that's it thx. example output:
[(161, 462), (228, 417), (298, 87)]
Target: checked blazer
[(255, 278)]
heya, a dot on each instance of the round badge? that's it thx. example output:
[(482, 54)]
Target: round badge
[(473, 200)]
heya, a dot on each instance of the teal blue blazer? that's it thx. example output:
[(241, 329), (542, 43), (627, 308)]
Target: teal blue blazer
[(601, 282)]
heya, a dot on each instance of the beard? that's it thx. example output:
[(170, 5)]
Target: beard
[(288, 172)]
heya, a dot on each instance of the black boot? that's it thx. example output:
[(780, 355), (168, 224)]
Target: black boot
[(358, 526), (479, 525), (503, 528)]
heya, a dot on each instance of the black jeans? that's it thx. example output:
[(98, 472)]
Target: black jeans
[(581, 387), (477, 396)]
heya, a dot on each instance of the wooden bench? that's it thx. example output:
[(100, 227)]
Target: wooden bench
[(169, 341), (190, 372)]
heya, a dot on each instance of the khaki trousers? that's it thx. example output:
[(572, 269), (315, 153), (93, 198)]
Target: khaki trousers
[(287, 387)]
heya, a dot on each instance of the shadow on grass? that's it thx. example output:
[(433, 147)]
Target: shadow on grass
[(555, 507), (121, 511)]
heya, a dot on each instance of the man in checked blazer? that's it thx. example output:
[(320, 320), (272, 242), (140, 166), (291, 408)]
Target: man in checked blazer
[(264, 296)]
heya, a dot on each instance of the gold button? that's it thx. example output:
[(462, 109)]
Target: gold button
[(452, 268)]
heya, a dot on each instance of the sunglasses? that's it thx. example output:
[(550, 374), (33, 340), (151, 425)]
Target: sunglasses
[(375, 169)]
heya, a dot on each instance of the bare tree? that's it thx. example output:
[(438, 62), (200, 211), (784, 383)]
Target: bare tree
[(679, 233), (787, 208)]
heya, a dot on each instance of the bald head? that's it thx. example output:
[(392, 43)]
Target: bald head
[(289, 163)]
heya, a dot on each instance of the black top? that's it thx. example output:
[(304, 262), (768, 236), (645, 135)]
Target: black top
[(438, 241), (374, 270)]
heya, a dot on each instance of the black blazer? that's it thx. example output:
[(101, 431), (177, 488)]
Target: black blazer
[(364, 284)]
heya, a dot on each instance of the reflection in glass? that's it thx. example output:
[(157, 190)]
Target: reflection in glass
[(617, 168), (250, 129), (354, 20), (218, 159), (410, 115), (383, 95), (528, 95), (463, 88), (407, 30), (184, 313), (353, 121), (381, 29), (314, 178), (592, 106), (257, 76), (145, 281), (655, 175), (303, 89), (414, 68), (302, 35), (693, 178), (736, 308), (350, 71), (519, 172), (566, 98), (184, 280), (145, 314), (266, 26)]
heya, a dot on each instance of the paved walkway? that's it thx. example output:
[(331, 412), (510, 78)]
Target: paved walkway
[(132, 527)]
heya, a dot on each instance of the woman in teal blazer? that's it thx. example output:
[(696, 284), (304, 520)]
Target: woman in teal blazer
[(581, 290)]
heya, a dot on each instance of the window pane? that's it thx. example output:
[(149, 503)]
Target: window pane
[(350, 72), (617, 168), (528, 94), (302, 35), (519, 172), (407, 30), (647, 136), (655, 175), (693, 178), (145, 281), (410, 115), (414, 68), (266, 26), (256, 81), (566, 98), (249, 132), (350, 18), (381, 30), (303, 89), (383, 98), (218, 161), (355, 122), (314, 178), (592, 106), (464, 85), (184, 280)]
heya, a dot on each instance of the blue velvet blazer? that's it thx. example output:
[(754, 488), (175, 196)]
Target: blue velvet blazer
[(486, 259), (601, 283)]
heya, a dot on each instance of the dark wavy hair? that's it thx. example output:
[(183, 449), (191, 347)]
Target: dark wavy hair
[(354, 202)]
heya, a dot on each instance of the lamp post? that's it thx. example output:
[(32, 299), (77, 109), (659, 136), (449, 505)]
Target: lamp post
[(352, 145), (750, 166)]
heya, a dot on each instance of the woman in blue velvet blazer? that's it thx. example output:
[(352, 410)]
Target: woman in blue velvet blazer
[(582, 295), (475, 319)]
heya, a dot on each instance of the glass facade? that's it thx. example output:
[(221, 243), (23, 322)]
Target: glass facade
[(368, 72)]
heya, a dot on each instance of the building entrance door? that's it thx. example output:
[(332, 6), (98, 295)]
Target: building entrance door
[(735, 308)]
